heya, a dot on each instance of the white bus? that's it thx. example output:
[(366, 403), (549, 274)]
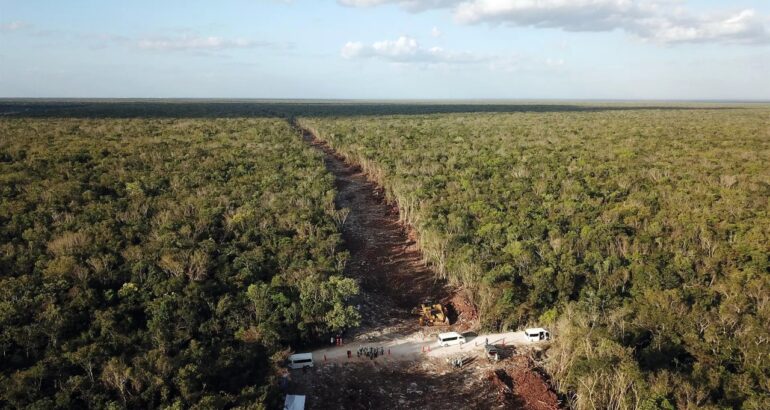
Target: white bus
[(300, 360), (450, 338)]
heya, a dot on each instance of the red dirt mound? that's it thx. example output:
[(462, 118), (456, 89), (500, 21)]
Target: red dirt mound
[(529, 386)]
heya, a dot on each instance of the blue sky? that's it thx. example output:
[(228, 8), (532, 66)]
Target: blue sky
[(423, 49)]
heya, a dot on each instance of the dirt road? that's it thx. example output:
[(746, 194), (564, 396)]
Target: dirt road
[(419, 345), (385, 260)]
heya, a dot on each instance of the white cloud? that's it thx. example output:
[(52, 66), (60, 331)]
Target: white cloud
[(353, 49), (13, 26), (197, 43), (408, 50), (189, 41), (435, 32), (661, 21), (364, 3), (411, 5), (742, 27), (571, 15)]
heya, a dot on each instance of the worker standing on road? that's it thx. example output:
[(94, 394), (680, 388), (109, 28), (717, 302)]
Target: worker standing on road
[(332, 341)]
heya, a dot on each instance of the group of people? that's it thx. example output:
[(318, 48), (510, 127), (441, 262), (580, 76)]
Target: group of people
[(370, 352), (457, 362), (336, 340)]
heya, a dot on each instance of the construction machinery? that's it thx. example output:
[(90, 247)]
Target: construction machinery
[(432, 314)]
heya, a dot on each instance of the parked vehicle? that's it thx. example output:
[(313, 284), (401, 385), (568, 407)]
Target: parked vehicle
[(450, 338), (300, 360), (537, 334)]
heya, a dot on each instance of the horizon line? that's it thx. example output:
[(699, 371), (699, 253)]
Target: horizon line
[(379, 100)]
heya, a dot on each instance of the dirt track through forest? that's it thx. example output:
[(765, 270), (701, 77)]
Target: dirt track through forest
[(383, 257), (394, 279)]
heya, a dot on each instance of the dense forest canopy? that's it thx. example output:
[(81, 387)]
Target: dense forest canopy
[(642, 237), (152, 263), (170, 260)]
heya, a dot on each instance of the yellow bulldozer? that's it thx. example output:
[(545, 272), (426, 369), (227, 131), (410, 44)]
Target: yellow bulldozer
[(432, 314)]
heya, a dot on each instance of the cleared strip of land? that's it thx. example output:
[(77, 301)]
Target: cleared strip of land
[(411, 368)]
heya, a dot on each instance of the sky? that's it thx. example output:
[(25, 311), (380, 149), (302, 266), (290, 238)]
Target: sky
[(386, 49)]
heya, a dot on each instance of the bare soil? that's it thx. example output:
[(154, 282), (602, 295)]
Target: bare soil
[(529, 388), (394, 279), (382, 385)]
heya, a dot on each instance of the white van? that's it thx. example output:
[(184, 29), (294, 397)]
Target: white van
[(300, 360), (450, 338), (536, 334)]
